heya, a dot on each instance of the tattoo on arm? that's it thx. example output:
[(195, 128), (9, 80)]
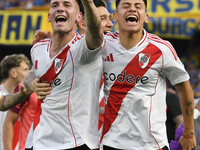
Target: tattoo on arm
[(11, 100), (188, 128), (93, 29), (189, 111), (189, 104), (29, 79)]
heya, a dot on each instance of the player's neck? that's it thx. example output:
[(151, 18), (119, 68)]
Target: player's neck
[(129, 40), (58, 42), (10, 85)]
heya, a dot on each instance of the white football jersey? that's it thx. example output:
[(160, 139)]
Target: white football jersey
[(70, 113), (135, 91), (2, 117)]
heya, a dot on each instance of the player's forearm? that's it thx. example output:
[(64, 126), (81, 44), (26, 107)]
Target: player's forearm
[(187, 106), (29, 80), (10, 100), (8, 133), (93, 33)]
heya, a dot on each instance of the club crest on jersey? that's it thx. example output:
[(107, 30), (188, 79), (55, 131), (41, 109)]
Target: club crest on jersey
[(144, 59), (102, 110), (58, 63)]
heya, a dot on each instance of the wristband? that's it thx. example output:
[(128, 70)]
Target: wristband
[(187, 136), (196, 113)]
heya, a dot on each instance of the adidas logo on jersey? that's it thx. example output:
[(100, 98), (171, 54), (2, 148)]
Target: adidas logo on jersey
[(109, 58)]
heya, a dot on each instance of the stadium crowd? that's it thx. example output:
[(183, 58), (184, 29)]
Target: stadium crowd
[(26, 4)]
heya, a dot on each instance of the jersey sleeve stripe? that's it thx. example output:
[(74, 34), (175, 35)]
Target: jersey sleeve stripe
[(103, 44), (112, 35), (37, 46), (143, 39), (166, 43)]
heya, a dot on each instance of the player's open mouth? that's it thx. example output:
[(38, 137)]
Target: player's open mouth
[(131, 19), (105, 32), (61, 19)]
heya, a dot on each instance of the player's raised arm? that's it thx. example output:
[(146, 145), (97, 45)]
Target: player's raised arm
[(93, 33)]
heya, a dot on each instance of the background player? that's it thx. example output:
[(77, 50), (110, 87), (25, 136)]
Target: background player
[(24, 111), (13, 69)]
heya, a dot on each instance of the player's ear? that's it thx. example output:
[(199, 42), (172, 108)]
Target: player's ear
[(13, 73), (49, 20), (146, 20), (79, 17), (115, 17)]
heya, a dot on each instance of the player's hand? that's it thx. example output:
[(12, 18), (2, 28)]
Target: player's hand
[(40, 35), (24, 90), (41, 89), (187, 143)]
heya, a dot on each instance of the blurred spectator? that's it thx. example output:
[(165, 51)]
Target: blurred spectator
[(2, 5), (37, 3), (40, 2), (45, 2), (197, 90), (29, 4), (13, 3), (197, 131), (23, 3), (174, 114), (197, 122), (191, 67)]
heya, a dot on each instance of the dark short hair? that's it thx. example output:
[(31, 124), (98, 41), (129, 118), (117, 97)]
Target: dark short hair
[(78, 1), (97, 3), (12, 61), (118, 1)]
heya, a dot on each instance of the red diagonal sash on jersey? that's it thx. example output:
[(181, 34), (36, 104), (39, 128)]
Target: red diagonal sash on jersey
[(119, 90), (50, 75), (38, 112)]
